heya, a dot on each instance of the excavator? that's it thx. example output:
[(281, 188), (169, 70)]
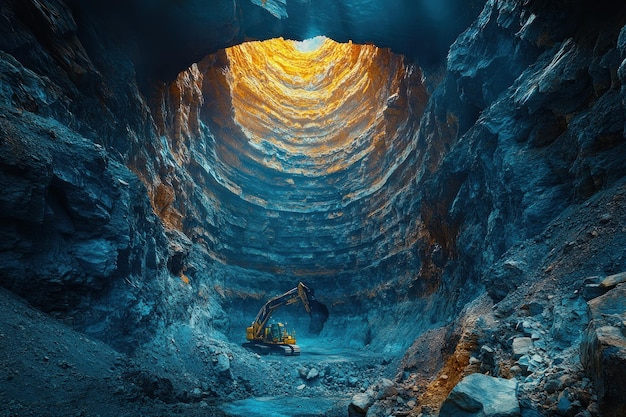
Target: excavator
[(274, 338)]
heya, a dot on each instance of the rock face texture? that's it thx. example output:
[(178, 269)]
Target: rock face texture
[(77, 226), (603, 348), (78, 229), (159, 187)]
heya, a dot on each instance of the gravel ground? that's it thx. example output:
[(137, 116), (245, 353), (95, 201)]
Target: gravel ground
[(47, 369)]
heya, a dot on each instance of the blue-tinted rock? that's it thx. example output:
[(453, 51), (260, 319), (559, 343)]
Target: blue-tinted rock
[(603, 349), (479, 395), (98, 257)]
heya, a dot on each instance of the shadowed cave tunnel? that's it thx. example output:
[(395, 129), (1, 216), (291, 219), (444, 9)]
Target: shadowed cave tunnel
[(447, 175)]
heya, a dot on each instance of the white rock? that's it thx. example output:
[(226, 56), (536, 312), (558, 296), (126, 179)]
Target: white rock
[(537, 358), (312, 374), (521, 346), (361, 402), (303, 372), (486, 349)]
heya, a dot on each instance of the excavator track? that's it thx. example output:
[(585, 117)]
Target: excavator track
[(269, 348), (290, 350)]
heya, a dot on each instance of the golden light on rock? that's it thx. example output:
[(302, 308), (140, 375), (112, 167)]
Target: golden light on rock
[(313, 107)]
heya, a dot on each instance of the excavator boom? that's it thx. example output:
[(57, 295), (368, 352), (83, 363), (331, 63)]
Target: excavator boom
[(263, 339)]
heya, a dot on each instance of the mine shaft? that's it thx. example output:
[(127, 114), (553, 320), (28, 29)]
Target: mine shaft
[(312, 208)]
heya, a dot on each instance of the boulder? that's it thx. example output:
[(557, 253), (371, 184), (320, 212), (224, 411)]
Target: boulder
[(312, 374), (596, 286), (360, 403), (613, 280), (479, 395), (222, 363), (570, 317), (591, 288), (521, 346), (603, 349), (385, 389), (303, 372)]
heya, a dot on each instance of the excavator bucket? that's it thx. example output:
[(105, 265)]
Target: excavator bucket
[(319, 315)]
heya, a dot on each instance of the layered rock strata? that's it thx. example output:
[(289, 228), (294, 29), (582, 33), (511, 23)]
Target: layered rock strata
[(307, 153)]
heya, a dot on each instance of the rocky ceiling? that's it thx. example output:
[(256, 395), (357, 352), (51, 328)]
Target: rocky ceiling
[(167, 37)]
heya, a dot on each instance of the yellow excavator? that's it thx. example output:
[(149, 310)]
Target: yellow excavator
[(274, 338)]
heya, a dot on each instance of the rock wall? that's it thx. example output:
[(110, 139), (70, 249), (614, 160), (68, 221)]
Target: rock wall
[(538, 104), (81, 240), (81, 237), (299, 184)]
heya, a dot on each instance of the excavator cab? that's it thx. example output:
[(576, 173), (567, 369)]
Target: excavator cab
[(265, 338), (277, 333)]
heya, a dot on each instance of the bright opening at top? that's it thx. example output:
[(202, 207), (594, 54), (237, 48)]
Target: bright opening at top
[(309, 126), (311, 107), (302, 98), (310, 45)]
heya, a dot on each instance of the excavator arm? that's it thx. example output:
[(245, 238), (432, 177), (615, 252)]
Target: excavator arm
[(290, 297), (317, 311)]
